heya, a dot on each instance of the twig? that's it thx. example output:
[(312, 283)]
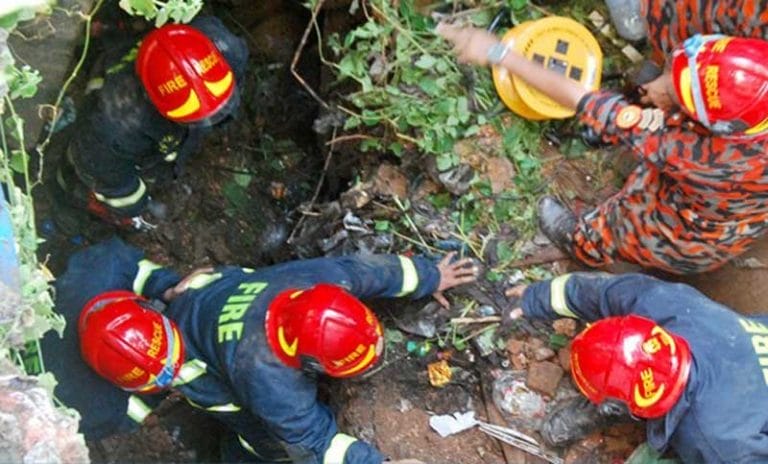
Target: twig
[(475, 320), (300, 50), (547, 256), (478, 332), (415, 242), (408, 219), (320, 181), (347, 138), (57, 104)]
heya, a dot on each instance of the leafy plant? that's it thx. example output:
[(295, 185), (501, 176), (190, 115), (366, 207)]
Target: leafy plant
[(180, 11)]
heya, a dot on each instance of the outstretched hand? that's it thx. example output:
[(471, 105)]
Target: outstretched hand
[(471, 44), (170, 294), (452, 275), (516, 293)]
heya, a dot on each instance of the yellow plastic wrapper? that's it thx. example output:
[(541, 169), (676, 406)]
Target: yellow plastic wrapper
[(439, 373)]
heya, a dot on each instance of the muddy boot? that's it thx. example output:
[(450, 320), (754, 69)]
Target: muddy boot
[(557, 222), (574, 420)]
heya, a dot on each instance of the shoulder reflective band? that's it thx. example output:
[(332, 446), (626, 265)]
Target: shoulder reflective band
[(557, 298), (146, 268), (410, 276), (201, 280), (339, 446), (122, 202), (137, 409), (190, 371)]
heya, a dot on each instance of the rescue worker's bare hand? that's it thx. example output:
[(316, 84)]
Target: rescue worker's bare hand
[(657, 93), (453, 274), (516, 293), (471, 44), (171, 293)]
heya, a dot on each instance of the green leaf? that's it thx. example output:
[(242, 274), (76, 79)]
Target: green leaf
[(242, 179), (504, 252), (440, 200), (381, 226), (17, 161), (493, 276), (396, 148), (426, 62), (445, 161), (557, 341)]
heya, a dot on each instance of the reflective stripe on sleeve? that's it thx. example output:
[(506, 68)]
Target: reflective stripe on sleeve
[(138, 409), (557, 296), (122, 202), (201, 280), (410, 276), (146, 268), (190, 371), (339, 446)]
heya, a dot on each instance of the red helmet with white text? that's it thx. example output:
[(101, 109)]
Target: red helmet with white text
[(326, 327), (184, 74), (633, 360), (128, 343), (728, 92)]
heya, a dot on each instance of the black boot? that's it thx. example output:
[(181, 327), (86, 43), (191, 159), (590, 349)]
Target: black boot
[(557, 222)]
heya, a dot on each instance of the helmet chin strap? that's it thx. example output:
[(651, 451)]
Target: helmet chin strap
[(165, 377), (693, 46)]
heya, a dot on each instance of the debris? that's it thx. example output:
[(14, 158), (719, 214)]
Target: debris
[(355, 224), (644, 454), (405, 405), (544, 377), (749, 263), (475, 320), (519, 361), (485, 342), (516, 277), (521, 405), (501, 173), (543, 354), (584, 451), (422, 323), (515, 346), (390, 182), (457, 180), (419, 349), (440, 373), (564, 357), (565, 326), (277, 190), (447, 425)]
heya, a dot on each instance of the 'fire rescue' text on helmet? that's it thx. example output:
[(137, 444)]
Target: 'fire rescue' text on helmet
[(130, 345), (184, 74), (324, 326), (633, 360), (728, 91)]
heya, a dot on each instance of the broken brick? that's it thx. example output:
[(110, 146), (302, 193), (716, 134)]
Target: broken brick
[(565, 327), (514, 346), (544, 353), (564, 357), (519, 361), (544, 377)]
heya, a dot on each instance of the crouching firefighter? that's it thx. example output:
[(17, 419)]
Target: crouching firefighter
[(146, 112), (693, 368), (247, 345)]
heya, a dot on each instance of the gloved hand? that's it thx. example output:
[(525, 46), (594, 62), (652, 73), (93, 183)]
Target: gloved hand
[(140, 224)]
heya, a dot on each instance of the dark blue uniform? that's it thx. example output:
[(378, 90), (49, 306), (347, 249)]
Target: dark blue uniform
[(723, 414), (121, 140), (229, 369), (104, 409)]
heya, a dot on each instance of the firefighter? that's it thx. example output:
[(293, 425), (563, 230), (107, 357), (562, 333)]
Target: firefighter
[(699, 196), (145, 112), (664, 352), (247, 345)]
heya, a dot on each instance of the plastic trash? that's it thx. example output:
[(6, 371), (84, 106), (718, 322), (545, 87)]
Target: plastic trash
[(521, 406), (626, 18)]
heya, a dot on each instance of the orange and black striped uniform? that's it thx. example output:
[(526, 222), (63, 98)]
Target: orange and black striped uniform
[(694, 202), (670, 22)]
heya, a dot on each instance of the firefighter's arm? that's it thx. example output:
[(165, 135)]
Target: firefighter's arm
[(286, 400), (396, 275), (591, 296)]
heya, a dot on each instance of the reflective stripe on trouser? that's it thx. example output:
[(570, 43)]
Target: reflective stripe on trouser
[(138, 410), (126, 200), (410, 276), (643, 224), (338, 448), (557, 298)]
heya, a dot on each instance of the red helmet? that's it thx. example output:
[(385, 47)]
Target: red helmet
[(184, 73), (134, 347), (728, 93), (328, 326), (631, 359)]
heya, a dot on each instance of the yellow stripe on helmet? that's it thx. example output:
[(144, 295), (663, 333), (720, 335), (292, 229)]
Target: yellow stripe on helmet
[(362, 364), (221, 86), (188, 107)]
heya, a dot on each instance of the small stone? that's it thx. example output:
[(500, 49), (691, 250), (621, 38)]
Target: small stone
[(564, 356), (536, 343), (519, 361), (544, 377), (544, 353), (515, 346), (565, 327)]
